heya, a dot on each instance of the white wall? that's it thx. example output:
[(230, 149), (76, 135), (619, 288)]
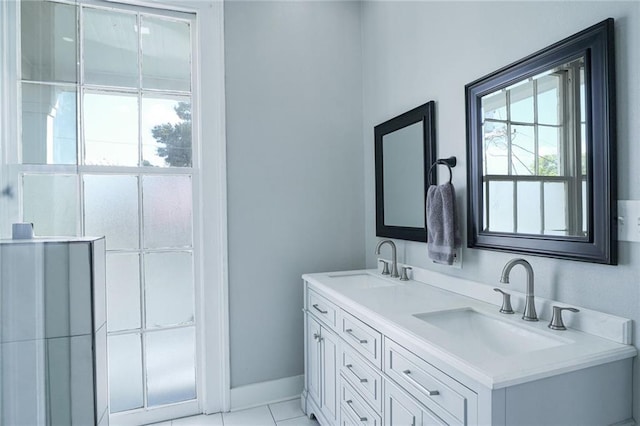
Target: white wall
[(295, 170), (419, 51)]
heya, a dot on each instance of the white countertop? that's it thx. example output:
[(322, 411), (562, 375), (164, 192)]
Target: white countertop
[(390, 305)]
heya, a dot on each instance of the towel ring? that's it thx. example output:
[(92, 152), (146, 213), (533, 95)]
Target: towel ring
[(449, 162)]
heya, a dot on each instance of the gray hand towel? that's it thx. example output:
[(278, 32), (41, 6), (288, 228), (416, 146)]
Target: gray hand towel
[(442, 229)]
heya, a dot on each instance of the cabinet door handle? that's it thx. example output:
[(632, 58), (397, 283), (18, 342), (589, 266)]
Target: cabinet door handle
[(362, 419), (350, 367), (316, 336), (429, 392), (320, 310), (350, 331)]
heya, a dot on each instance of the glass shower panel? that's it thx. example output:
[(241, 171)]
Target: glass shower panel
[(166, 131), (169, 289), (51, 297), (167, 206), (50, 202), (48, 124), (166, 54), (111, 209), (49, 41), (125, 372), (110, 48), (23, 362), (171, 370), (123, 291), (112, 142), (69, 364)]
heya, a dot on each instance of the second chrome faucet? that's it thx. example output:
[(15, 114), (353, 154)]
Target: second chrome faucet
[(394, 259), (529, 305)]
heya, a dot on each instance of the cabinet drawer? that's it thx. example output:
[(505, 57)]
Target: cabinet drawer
[(355, 407), (322, 309), (363, 338), (433, 388), (402, 410), (366, 380)]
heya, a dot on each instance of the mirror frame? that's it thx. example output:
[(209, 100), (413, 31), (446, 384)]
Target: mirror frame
[(426, 114), (596, 44)]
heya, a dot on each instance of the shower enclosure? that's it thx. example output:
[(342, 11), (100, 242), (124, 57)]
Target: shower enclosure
[(53, 356)]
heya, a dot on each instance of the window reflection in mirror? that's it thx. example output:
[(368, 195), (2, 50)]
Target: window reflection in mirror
[(48, 124), (534, 155)]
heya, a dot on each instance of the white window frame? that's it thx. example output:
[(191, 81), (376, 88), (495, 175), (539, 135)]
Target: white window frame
[(210, 216)]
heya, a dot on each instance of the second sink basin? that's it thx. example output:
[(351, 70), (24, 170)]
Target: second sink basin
[(476, 330), (361, 280)]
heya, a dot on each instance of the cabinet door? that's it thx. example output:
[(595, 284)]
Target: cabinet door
[(313, 359), (401, 410), (329, 372)]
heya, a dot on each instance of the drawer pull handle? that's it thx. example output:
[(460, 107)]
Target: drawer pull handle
[(407, 373), (350, 367), (350, 331), (320, 310), (362, 419)]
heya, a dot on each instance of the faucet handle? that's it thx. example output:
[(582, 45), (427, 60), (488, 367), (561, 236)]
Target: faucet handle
[(506, 302), (385, 266), (403, 275), (556, 319)]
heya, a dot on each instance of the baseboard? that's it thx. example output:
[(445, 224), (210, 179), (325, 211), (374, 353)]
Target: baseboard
[(629, 422), (269, 392)]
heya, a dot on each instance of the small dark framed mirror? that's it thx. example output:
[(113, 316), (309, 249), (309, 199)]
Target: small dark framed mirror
[(541, 152), (404, 150)]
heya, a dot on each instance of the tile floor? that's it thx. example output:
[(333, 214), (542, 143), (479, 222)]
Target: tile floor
[(287, 413)]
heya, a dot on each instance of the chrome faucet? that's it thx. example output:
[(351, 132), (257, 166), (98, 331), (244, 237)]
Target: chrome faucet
[(394, 260), (529, 305)]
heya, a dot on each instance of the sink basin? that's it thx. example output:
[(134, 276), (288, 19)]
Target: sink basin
[(472, 330), (361, 280)]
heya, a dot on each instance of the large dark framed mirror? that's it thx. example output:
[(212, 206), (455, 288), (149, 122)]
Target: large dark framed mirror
[(404, 150), (541, 152)]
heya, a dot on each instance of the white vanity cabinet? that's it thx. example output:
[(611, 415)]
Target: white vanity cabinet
[(370, 360), (321, 349), (368, 389), (352, 359)]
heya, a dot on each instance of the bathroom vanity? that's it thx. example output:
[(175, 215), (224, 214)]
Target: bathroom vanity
[(383, 351), (53, 354)]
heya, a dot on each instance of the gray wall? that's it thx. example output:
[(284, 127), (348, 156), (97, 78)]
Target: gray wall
[(419, 51), (307, 81), (295, 170)]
